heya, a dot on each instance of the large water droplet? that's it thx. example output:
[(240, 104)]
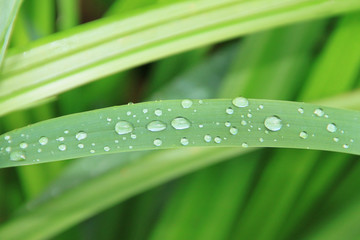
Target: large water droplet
[(207, 138), (303, 135), (17, 156), (331, 127), (62, 147), (23, 145), (240, 102), (273, 123), (180, 123), (157, 142), (319, 112), (186, 103), (81, 135), (234, 130), (184, 141), (156, 126), (123, 127), (217, 140), (43, 140)]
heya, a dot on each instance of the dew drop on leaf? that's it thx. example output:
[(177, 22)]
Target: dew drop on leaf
[(244, 145), (180, 123), (301, 110), (17, 156), (217, 140), (157, 142), (207, 138), (186, 103), (156, 126), (331, 127), (62, 147), (229, 111), (158, 112), (184, 141), (303, 135), (23, 145), (240, 102), (273, 123), (319, 112), (106, 149), (81, 135), (43, 140), (234, 130), (123, 127)]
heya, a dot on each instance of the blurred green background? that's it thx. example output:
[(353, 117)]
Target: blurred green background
[(265, 194)]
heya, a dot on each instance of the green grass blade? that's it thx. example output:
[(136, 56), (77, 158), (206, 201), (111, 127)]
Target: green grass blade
[(8, 11), (167, 124), (26, 78)]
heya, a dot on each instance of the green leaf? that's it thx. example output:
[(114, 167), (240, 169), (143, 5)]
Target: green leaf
[(8, 11), (89, 52), (186, 123)]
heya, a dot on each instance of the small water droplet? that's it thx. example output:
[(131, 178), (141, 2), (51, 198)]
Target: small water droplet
[(128, 113), (217, 140), (23, 145), (43, 140), (301, 110), (303, 135), (227, 124), (157, 142), (123, 127), (243, 122), (62, 147), (273, 123), (81, 135), (331, 127), (346, 146), (229, 110), (17, 156), (336, 139), (249, 115), (158, 112), (180, 123), (66, 131), (156, 126), (60, 139), (207, 138), (261, 139), (244, 145), (184, 141), (234, 130), (261, 106), (240, 102), (145, 110), (92, 151), (108, 119), (80, 145), (319, 112), (186, 103), (106, 149), (133, 136)]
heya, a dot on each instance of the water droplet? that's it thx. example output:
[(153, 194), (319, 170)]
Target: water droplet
[(23, 145), (249, 115), (17, 156), (227, 124), (156, 126), (123, 127), (80, 145), (145, 110), (157, 142), (62, 147), (133, 136), (303, 135), (207, 138), (184, 141), (243, 122), (60, 139), (7, 137), (180, 123), (106, 149), (66, 131), (8, 149), (336, 139), (301, 110), (234, 130), (92, 151), (261, 139), (346, 146), (229, 111), (158, 112), (273, 123), (108, 119), (81, 135), (186, 103), (240, 102), (319, 112), (217, 140), (244, 145), (43, 141), (128, 113), (331, 127)]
